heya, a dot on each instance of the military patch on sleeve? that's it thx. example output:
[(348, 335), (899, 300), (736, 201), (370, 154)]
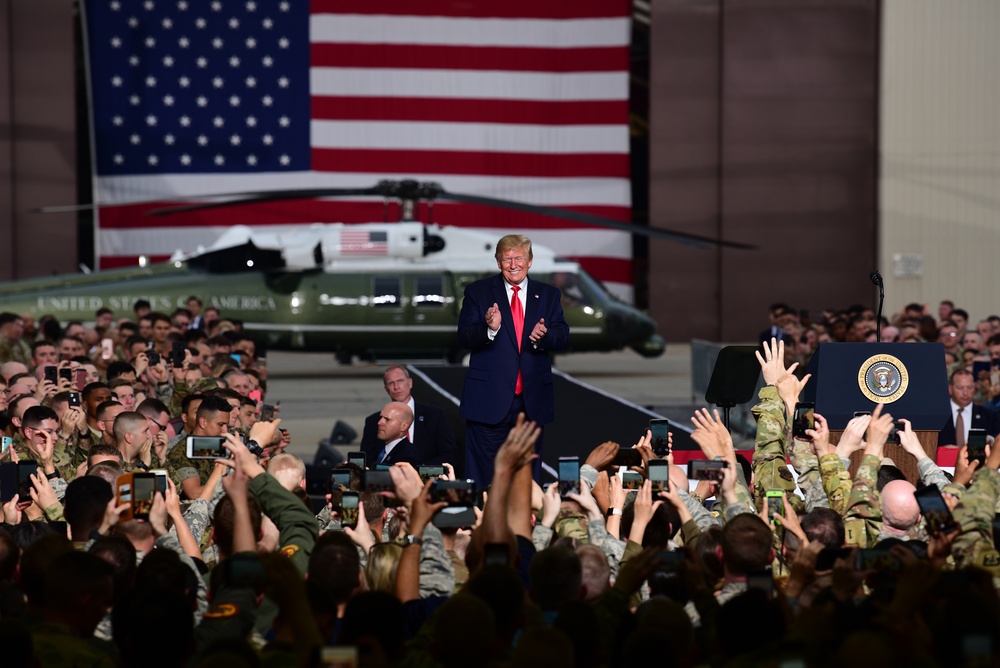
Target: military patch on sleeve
[(222, 611), (290, 550)]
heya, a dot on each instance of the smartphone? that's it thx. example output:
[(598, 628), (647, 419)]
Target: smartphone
[(893, 436), (628, 457), (161, 481), (206, 447), (257, 396), (349, 510), (340, 479), (976, 445), (775, 504), (266, 412), (659, 475), (706, 469), (456, 493), (378, 481), (237, 358), (762, 580), (5, 443), (660, 430), (25, 469), (669, 560), (430, 472), (107, 349), (357, 458), (631, 480), (66, 374), (569, 476), (861, 413), (177, 350), (80, 381), (74, 399), (153, 357), (143, 492), (934, 510), (804, 418), (52, 374)]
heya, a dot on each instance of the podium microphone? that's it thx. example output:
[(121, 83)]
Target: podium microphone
[(876, 278)]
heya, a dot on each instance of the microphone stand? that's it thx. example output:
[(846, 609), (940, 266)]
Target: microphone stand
[(876, 278)]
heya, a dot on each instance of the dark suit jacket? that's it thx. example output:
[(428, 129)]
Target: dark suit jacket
[(432, 435), (765, 336), (982, 418), (492, 374), (404, 451)]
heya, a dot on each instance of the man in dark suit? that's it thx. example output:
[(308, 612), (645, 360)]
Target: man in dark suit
[(392, 446), (511, 325), (430, 433), (962, 387)]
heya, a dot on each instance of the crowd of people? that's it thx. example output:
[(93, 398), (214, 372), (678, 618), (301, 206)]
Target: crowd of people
[(751, 565)]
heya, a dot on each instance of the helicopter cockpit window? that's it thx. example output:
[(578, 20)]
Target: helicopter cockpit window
[(386, 292), (429, 292), (572, 292)]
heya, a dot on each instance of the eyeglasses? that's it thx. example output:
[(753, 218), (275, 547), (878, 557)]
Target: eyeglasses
[(161, 427)]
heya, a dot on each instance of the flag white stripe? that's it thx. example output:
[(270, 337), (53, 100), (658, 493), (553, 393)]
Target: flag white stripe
[(428, 136), (468, 84), (540, 190), (445, 31)]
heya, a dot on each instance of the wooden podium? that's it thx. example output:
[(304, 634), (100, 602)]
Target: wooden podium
[(909, 379)]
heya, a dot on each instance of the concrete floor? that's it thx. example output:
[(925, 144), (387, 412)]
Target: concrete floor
[(315, 391)]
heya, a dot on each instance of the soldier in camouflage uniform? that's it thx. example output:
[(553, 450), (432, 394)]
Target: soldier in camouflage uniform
[(13, 347), (211, 418), (974, 545), (39, 441)]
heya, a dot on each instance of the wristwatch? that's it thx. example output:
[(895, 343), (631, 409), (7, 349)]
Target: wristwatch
[(410, 539), (614, 511), (142, 465), (52, 476)]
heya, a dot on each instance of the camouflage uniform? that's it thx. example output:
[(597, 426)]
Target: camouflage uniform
[(56, 645), (931, 474), (612, 548), (437, 574), (15, 351), (297, 530), (541, 536), (773, 431), (974, 513), (744, 502), (180, 468), (699, 513), (61, 457), (861, 508), (806, 465)]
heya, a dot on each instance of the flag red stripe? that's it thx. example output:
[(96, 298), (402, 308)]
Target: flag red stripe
[(509, 9), (528, 112), (596, 165), (435, 57)]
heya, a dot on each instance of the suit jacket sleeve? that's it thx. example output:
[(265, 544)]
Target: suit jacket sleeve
[(557, 331), (472, 328)]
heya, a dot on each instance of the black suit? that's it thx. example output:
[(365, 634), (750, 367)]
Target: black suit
[(982, 418), (774, 332), (432, 435), (404, 451)]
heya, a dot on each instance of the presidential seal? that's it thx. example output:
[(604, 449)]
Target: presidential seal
[(883, 378)]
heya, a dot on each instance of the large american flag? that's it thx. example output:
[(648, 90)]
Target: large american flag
[(522, 99)]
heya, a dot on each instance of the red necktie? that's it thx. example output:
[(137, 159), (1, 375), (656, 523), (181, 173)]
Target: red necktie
[(517, 311)]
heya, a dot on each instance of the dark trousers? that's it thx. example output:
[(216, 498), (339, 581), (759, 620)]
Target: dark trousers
[(482, 441)]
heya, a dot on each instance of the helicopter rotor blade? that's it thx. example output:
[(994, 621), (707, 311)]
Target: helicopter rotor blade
[(237, 199), (600, 221)]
